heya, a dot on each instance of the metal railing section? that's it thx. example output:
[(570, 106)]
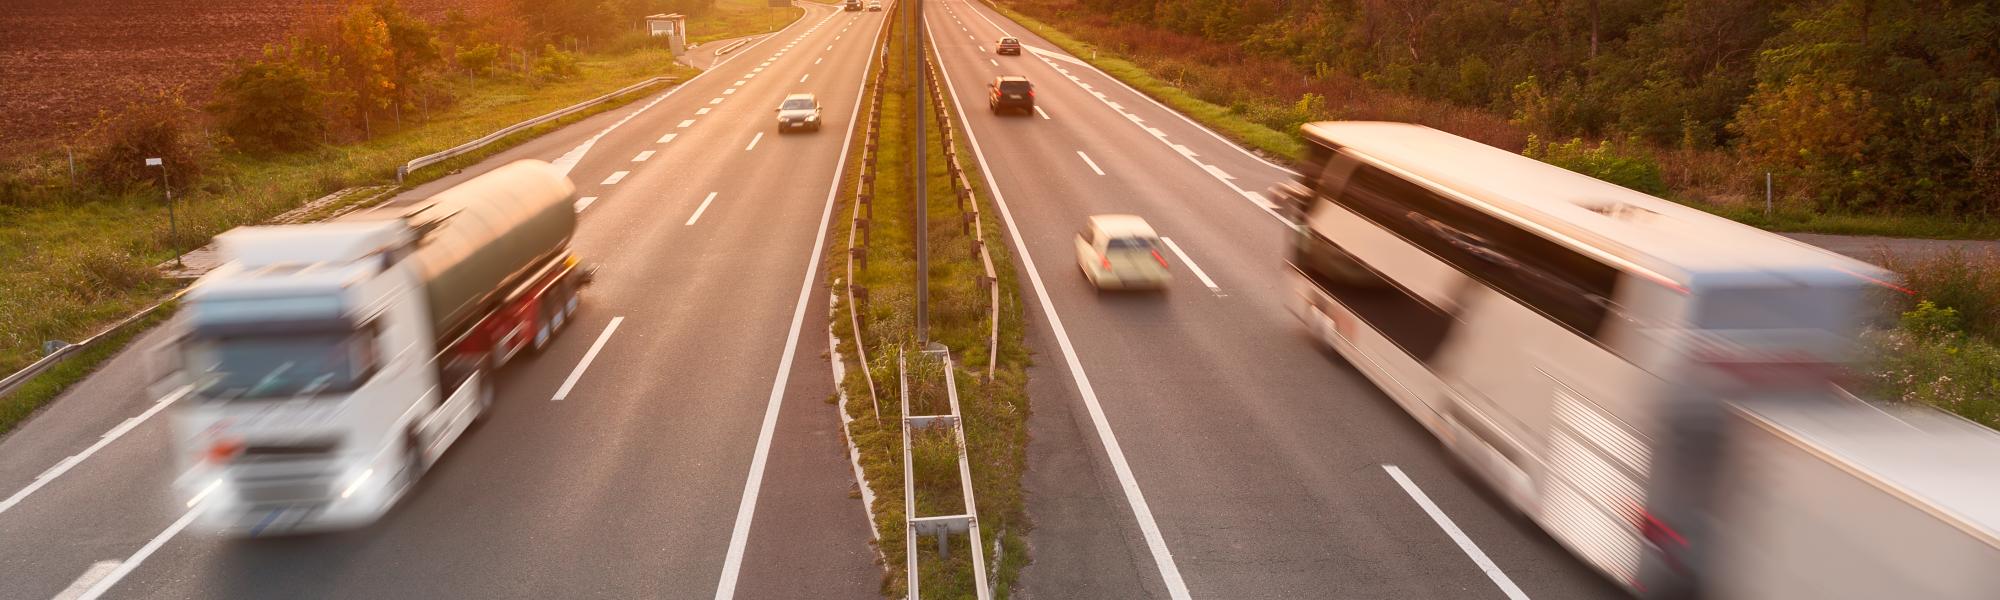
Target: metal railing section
[(941, 526), (483, 141)]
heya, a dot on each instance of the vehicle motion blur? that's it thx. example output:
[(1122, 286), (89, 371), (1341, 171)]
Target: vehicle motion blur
[(1649, 383), (330, 364)]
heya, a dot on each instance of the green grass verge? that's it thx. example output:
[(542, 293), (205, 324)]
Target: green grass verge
[(1899, 226), (81, 262), (1281, 144), (16, 407), (995, 412), (738, 18)]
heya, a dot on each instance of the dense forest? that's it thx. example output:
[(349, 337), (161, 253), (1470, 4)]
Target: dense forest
[(1858, 106)]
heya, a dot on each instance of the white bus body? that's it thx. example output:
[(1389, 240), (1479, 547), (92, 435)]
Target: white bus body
[(1573, 341)]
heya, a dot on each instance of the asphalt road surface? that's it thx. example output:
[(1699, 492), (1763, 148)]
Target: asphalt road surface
[(703, 222), (1197, 443)]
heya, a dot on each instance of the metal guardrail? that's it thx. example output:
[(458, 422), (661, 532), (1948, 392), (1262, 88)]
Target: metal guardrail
[(733, 46), (21, 377), (941, 526), (857, 228), (483, 141), (968, 203)]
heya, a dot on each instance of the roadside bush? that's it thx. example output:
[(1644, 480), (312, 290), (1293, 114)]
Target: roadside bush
[(1927, 360), (555, 65), (1967, 284), (1637, 171), (270, 106), (163, 127), (479, 60)]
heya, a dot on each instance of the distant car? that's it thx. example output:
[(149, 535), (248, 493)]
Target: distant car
[(874, 5), (1010, 92), (799, 111), (1121, 252), (1007, 45), (852, 5)]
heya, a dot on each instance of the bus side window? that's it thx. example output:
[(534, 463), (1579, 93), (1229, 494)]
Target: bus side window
[(1333, 179)]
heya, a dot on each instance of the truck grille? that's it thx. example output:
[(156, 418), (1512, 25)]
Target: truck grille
[(280, 492)]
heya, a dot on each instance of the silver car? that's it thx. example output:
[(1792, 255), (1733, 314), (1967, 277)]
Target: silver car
[(799, 111)]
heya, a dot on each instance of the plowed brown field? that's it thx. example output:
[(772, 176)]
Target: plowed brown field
[(63, 62)]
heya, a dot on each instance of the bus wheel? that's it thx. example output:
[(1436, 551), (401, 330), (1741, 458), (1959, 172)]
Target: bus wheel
[(482, 397), (413, 458)]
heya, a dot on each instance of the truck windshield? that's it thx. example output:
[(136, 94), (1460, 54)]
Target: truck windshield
[(279, 366)]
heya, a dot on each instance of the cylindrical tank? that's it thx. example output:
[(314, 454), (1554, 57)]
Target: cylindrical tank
[(484, 235)]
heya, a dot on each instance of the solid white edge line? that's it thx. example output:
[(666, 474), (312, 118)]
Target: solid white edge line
[(739, 536), (701, 209), (584, 202), (1198, 273), (569, 160), (133, 562), (95, 573), (753, 142), (1216, 174), (71, 461), (1190, 120), (1464, 543), (577, 373), (1092, 163), (1163, 558)]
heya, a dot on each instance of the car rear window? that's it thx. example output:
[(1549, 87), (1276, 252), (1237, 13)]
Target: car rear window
[(1014, 87), (1133, 244), (1009, 41), (798, 104)]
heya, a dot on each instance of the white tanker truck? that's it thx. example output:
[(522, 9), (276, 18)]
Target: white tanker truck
[(325, 366)]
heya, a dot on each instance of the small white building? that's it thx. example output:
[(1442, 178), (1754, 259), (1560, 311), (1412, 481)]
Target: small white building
[(673, 26)]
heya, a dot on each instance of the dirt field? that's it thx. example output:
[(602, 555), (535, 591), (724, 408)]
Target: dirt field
[(62, 62)]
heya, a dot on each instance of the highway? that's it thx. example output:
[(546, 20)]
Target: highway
[(1198, 443), (675, 442)]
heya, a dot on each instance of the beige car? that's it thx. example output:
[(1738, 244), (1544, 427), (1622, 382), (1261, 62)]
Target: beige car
[(1121, 252)]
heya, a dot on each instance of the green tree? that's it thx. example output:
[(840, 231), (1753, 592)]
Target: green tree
[(412, 52), (364, 60), (271, 105)]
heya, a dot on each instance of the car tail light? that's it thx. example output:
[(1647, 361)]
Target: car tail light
[(1104, 262), (223, 451), (1162, 259)]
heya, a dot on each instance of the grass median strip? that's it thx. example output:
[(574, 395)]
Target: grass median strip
[(994, 412)]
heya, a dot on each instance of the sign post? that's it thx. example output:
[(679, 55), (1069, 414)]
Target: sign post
[(173, 226)]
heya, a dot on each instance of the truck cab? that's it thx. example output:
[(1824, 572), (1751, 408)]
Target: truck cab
[(275, 348)]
